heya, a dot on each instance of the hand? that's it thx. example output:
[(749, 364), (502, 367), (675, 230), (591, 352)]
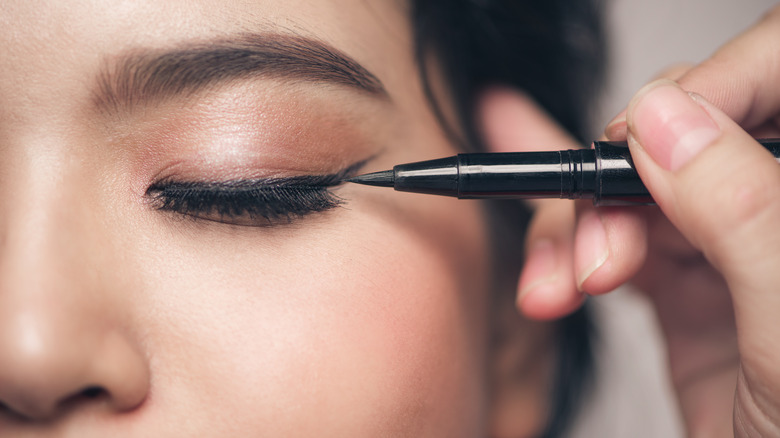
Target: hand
[(708, 356), (607, 247), (721, 189)]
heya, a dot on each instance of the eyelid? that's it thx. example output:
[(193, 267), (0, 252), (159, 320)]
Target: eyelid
[(255, 202), (242, 202)]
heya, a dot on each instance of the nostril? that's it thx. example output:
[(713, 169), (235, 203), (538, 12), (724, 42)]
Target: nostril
[(86, 395), (92, 392)]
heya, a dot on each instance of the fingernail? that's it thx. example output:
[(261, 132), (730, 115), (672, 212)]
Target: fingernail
[(592, 248), (669, 124), (617, 128), (540, 267)]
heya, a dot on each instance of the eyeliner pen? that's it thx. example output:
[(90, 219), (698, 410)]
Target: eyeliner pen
[(605, 174)]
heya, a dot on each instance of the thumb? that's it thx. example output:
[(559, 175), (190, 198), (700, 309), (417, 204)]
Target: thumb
[(721, 189)]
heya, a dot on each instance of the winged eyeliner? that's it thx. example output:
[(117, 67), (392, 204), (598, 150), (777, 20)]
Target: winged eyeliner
[(257, 202)]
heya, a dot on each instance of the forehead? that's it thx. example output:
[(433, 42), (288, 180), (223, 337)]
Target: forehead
[(51, 50), (148, 21)]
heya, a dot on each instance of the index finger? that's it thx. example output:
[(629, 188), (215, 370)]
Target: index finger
[(741, 77)]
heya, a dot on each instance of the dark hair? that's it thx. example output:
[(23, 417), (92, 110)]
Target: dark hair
[(554, 51)]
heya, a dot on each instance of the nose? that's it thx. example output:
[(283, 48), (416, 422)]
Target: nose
[(51, 366), (66, 335)]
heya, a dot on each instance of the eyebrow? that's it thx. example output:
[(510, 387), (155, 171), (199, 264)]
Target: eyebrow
[(141, 76)]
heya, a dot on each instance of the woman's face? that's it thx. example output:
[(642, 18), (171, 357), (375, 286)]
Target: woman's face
[(129, 130)]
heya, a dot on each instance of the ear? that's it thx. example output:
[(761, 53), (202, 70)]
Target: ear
[(510, 121)]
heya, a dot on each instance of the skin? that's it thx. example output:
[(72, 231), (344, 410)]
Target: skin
[(707, 259), (118, 319)]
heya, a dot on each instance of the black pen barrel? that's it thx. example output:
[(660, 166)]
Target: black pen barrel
[(605, 174), (616, 180), (525, 175)]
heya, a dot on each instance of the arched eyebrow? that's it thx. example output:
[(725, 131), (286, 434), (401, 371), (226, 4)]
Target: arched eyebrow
[(143, 76)]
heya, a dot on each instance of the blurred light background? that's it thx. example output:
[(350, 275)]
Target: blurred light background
[(647, 36)]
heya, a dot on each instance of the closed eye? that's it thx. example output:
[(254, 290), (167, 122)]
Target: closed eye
[(250, 202)]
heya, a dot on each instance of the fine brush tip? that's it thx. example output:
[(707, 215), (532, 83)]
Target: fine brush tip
[(381, 179)]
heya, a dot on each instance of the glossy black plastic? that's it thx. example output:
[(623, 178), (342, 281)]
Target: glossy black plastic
[(435, 177), (605, 174)]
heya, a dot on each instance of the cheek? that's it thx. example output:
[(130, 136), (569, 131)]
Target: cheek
[(374, 325)]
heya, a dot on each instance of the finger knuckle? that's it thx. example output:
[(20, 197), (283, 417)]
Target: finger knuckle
[(750, 198)]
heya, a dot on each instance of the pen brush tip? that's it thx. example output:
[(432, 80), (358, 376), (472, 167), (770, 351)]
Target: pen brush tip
[(381, 179)]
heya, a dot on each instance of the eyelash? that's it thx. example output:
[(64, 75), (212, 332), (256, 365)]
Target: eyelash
[(247, 202)]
